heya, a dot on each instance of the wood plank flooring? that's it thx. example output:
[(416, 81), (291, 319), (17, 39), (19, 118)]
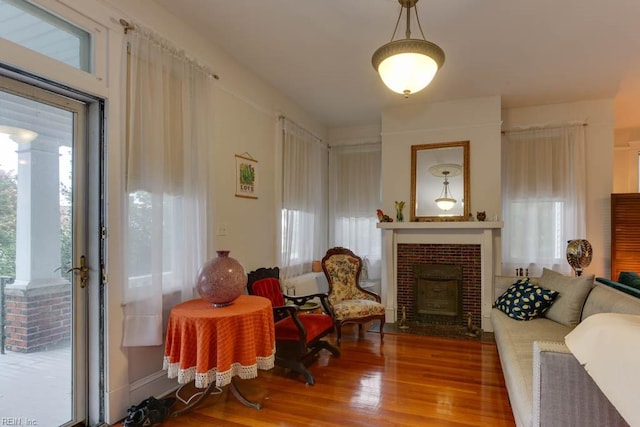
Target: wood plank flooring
[(409, 380)]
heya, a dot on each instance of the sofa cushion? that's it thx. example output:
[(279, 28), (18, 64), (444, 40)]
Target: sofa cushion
[(573, 292), (629, 278), (525, 301)]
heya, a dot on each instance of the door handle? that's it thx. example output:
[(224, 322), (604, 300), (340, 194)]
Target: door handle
[(83, 269)]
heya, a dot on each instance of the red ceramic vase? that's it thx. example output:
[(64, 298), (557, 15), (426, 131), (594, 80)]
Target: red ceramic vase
[(221, 280)]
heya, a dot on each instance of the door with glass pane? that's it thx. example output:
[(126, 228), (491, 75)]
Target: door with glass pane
[(43, 268)]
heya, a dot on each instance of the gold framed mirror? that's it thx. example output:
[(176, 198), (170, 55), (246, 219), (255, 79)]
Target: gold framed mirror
[(440, 181)]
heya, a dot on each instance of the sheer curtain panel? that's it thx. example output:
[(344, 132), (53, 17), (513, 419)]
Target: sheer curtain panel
[(354, 196), (167, 135), (304, 199), (543, 196)]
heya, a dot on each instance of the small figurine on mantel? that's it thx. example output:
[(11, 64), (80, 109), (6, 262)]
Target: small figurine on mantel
[(382, 217), (399, 208)]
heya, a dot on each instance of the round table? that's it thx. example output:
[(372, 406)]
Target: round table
[(210, 345)]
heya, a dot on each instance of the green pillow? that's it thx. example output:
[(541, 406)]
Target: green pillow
[(629, 278), (573, 292), (525, 301)]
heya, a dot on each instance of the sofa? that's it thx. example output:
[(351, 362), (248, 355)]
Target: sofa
[(546, 384), (628, 282)]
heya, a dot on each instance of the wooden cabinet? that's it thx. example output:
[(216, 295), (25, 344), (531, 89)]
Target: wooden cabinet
[(625, 233)]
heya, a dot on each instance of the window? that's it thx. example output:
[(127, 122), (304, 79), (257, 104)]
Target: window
[(304, 200), (543, 197), (36, 29), (355, 194)]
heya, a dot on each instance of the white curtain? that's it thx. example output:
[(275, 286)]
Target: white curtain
[(304, 196), (543, 196), (167, 134), (354, 196)]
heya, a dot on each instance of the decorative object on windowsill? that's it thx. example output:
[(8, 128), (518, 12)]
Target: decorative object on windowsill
[(221, 280), (399, 208), (407, 66), (481, 215), (316, 266), (579, 254), (382, 217)]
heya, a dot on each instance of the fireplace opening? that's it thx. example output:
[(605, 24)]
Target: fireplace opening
[(437, 293)]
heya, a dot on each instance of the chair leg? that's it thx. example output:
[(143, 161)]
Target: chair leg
[(339, 332), (298, 366), (382, 319), (324, 344)]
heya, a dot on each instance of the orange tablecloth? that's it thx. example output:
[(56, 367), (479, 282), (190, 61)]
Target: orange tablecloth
[(209, 344)]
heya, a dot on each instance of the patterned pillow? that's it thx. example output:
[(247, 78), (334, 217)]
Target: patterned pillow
[(525, 301)]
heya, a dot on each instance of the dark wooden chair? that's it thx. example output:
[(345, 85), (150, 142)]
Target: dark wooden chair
[(349, 302), (298, 334)]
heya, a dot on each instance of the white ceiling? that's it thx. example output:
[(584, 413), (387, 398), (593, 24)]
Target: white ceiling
[(530, 52)]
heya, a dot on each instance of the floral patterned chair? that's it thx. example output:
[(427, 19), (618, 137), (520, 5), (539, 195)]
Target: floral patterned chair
[(349, 302)]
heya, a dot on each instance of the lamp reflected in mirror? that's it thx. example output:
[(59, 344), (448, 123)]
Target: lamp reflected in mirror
[(440, 181), (446, 201)]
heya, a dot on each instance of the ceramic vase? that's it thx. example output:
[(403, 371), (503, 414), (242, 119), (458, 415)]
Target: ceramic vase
[(221, 280)]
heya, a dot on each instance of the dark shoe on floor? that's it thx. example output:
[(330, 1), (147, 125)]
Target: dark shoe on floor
[(145, 417), (149, 412)]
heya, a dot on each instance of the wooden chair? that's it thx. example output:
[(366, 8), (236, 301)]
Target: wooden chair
[(298, 335), (349, 302)]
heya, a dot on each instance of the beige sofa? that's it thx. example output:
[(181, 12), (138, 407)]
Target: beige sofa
[(546, 384)]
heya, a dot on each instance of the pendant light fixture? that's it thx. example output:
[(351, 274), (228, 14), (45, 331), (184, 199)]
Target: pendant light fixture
[(407, 66), (446, 200)]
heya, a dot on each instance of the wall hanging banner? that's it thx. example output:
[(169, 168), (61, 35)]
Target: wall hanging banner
[(246, 174)]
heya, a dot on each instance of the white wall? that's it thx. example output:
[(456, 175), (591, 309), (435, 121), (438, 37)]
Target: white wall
[(246, 116), (476, 120), (599, 134)]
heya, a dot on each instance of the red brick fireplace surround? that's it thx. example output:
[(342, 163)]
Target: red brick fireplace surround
[(466, 255), (467, 243)]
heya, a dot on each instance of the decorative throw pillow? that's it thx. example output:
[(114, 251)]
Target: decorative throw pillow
[(573, 292), (525, 301)]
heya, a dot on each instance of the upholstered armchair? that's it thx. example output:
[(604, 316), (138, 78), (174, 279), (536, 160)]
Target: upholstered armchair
[(298, 334), (349, 302)]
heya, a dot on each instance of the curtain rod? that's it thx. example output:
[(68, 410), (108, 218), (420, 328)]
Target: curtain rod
[(282, 117), (542, 127), (126, 25)]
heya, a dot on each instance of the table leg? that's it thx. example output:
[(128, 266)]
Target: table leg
[(197, 397), (190, 402), (236, 392)]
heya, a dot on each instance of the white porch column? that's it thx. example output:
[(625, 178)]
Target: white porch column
[(38, 216)]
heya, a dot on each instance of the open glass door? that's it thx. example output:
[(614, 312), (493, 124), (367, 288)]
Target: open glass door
[(44, 266)]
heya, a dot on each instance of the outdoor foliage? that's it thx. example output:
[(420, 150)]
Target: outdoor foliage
[(8, 211)]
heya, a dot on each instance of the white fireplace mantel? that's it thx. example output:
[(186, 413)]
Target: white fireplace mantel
[(443, 232)]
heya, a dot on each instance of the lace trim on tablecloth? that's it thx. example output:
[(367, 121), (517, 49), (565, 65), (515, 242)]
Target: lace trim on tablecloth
[(221, 378)]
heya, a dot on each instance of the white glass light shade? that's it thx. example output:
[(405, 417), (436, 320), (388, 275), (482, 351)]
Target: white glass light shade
[(407, 73), (445, 203), (408, 66)]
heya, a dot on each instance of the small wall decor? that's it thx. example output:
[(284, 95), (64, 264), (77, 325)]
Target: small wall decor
[(246, 175)]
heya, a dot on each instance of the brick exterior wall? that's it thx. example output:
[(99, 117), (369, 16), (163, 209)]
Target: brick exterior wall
[(467, 255), (38, 322)]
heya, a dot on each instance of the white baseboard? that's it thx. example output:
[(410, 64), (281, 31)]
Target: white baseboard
[(156, 384)]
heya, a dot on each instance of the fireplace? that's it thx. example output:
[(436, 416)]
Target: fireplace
[(437, 293), (466, 243), (451, 269)]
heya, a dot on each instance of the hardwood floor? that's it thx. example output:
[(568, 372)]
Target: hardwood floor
[(409, 380)]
